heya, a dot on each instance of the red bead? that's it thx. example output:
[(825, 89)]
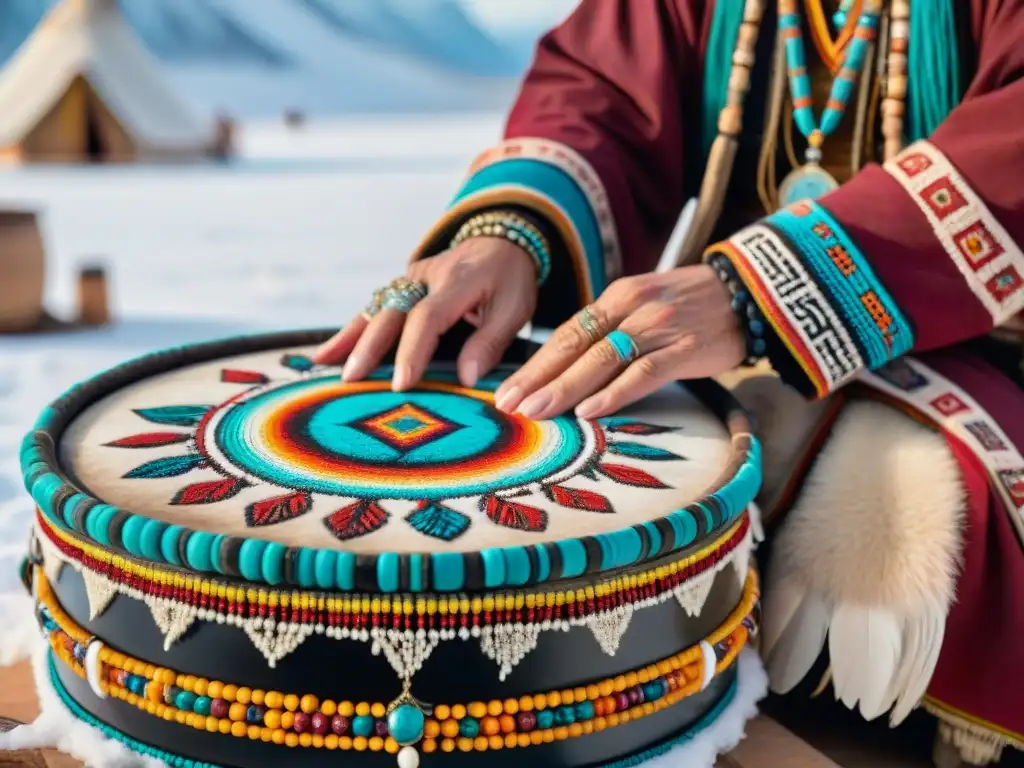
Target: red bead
[(320, 723), (339, 725), (302, 723)]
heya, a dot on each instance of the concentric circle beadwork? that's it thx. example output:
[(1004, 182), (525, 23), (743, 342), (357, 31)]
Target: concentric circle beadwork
[(363, 440)]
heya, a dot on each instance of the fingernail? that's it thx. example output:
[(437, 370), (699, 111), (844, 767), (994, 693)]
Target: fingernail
[(348, 372), (588, 409), (535, 404), (470, 373), (400, 381), (502, 400)]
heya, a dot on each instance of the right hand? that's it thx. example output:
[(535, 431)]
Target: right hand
[(488, 281)]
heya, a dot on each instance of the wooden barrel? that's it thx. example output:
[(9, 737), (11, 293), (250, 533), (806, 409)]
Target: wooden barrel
[(22, 271)]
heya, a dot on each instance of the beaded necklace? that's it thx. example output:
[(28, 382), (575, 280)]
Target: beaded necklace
[(811, 180)]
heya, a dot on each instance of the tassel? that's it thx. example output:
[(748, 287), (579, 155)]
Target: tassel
[(934, 81)]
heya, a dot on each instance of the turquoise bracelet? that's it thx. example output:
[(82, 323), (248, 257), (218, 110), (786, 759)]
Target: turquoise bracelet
[(513, 228)]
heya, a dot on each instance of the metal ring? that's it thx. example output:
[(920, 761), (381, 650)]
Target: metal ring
[(585, 317), (624, 346), (373, 306), (403, 294)]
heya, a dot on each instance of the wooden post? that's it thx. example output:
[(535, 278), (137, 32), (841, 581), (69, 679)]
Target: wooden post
[(22, 271), (93, 308)]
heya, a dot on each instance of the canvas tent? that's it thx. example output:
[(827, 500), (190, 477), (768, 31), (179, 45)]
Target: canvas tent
[(83, 88)]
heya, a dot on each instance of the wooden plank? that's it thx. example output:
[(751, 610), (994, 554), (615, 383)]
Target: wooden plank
[(769, 745)]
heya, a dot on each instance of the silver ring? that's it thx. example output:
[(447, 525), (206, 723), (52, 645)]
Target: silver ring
[(585, 317), (373, 306), (624, 346), (403, 294)]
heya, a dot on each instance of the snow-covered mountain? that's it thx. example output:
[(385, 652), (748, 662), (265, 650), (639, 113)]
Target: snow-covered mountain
[(439, 31)]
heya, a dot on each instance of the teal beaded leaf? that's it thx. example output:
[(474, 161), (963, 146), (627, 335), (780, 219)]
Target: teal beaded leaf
[(299, 363), (645, 452), (438, 521), (168, 466), (176, 415)]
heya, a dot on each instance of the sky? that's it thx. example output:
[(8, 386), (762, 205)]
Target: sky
[(512, 14)]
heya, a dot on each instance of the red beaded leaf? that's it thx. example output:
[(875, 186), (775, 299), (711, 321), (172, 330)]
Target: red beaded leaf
[(511, 514), (356, 520), (630, 476), (577, 498), (235, 376), (150, 440), (630, 427), (209, 492), (278, 509)]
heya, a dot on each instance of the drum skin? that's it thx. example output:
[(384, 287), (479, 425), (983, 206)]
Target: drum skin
[(456, 671)]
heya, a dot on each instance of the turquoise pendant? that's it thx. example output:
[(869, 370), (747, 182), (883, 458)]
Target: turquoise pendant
[(808, 182)]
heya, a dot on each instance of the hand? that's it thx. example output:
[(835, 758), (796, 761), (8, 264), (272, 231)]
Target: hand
[(681, 321), (489, 281)]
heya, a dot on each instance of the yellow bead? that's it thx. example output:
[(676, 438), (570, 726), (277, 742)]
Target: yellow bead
[(237, 711), (331, 741), (224, 726), (448, 745), (496, 742), (442, 712), (391, 746), (378, 710), (450, 729), (212, 724), (254, 732), (305, 739), (278, 737), (272, 718), (201, 687), (243, 696), (273, 700), (376, 744), (480, 743), (359, 744), (238, 730), (259, 697), (287, 720), (229, 693), (291, 702), (465, 745), (477, 709), (346, 708), (291, 739), (215, 689), (309, 704), (318, 741), (362, 709), (328, 707), (458, 712)]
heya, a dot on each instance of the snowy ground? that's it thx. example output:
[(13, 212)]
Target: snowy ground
[(296, 233)]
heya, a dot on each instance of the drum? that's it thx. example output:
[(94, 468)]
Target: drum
[(240, 560)]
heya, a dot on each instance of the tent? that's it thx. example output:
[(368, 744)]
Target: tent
[(83, 88)]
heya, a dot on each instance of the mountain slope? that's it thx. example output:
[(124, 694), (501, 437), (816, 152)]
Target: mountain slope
[(436, 30)]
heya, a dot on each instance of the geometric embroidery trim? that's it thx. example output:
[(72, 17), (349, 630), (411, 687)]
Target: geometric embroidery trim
[(955, 411), (570, 162), (847, 277), (805, 308), (982, 249)]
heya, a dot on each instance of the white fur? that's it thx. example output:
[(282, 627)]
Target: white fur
[(868, 553)]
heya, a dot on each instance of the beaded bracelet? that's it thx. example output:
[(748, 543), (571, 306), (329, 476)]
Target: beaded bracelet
[(745, 308), (515, 229)]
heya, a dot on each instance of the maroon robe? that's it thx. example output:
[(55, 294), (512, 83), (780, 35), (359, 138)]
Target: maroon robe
[(603, 142)]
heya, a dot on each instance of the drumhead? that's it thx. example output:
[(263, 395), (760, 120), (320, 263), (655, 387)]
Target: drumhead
[(264, 446)]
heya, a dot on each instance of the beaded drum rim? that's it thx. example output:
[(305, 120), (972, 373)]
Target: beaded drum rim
[(266, 562), (303, 720)]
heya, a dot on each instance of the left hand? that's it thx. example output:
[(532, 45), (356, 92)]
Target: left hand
[(683, 326)]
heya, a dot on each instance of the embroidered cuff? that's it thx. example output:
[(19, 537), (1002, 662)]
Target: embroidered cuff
[(554, 182), (819, 294)]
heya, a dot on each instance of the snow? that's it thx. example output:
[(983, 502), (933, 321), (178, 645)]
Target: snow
[(294, 234)]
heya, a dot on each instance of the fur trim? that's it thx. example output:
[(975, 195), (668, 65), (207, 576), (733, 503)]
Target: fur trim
[(867, 558)]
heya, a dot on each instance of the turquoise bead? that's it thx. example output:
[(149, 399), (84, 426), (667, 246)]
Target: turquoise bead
[(185, 700), (545, 719), (405, 724), (363, 726), (585, 710), (469, 728), (202, 705)]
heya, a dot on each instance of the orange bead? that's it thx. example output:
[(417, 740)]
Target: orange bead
[(575, 730), (450, 729), (496, 742), (459, 712), (465, 745), (431, 729), (523, 739), (489, 726), (448, 745), (480, 743), (507, 723), (428, 746), (442, 712)]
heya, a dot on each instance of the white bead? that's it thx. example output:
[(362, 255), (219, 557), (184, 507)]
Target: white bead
[(408, 758)]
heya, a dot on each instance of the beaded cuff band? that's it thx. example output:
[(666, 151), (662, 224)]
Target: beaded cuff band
[(404, 725), (515, 229), (746, 309)]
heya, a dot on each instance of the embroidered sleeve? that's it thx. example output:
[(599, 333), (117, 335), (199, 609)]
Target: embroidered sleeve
[(595, 145), (919, 254)]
